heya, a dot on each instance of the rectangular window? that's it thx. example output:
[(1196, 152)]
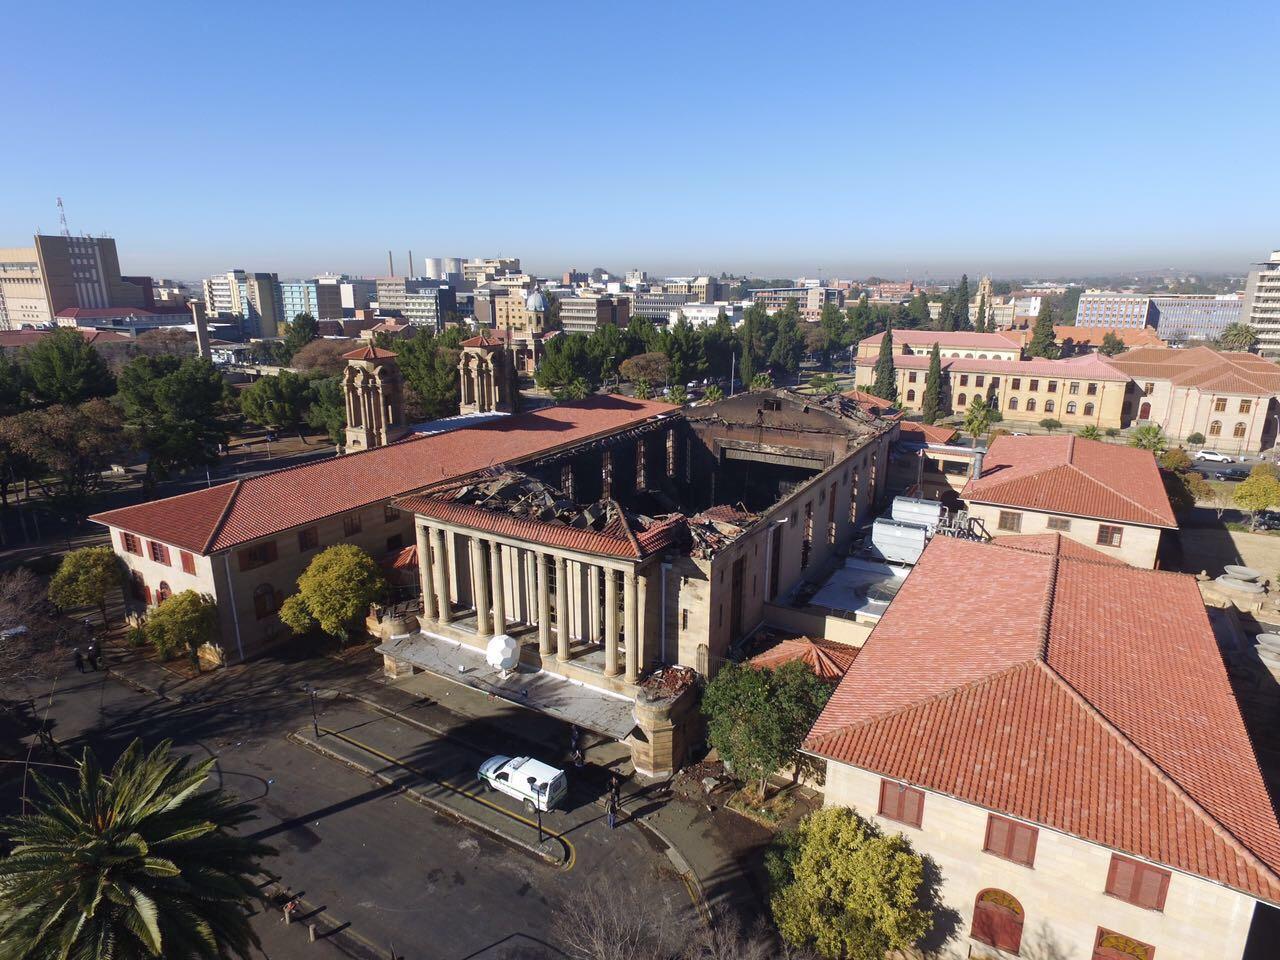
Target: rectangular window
[(259, 555), (158, 552), (1147, 388), (979, 380), (308, 539), (351, 524), (131, 543), (1016, 383), (1011, 840), (395, 543), (1138, 883), (1053, 386), (1246, 406), (1059, 523), (1034, 385), (1109, 536), (1074, 389), (901, 803), (1010, 521), (964, 379), (1220, 405), (684, 619), (1091, 390), (389, 513), (911, 377), (188, 562)]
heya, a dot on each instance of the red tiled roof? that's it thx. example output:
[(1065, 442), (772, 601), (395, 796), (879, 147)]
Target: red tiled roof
[(369, 353), (1088, 698), (1057, 544), (1070, 475), (486, 340), (272, 502), (1236, 373), (827, 659), (24, 338), (927, 432), (948, 339), (1087, 367)]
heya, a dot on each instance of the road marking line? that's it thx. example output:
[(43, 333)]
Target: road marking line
[(572, 853)]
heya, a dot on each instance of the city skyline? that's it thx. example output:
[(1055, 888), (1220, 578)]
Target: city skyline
[(843, 142)]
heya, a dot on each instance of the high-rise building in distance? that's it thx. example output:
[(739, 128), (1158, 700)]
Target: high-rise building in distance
[(1262, 305)]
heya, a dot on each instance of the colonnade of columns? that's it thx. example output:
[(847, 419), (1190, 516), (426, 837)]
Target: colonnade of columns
[(491, 560)]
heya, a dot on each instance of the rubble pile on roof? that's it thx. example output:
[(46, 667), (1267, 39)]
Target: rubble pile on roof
[(668, 682), (521, 495), (716, 528)]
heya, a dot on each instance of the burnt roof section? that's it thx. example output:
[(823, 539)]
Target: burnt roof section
[(788, 409)]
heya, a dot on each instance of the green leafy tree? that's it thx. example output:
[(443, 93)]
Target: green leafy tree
[(884, 383), (565, 362), (833, 327), (757, 718), (1183, 485), (334, 592), (762, 381), (1238, 336), (279, 401), (650, 367), (845, 889), (64, 368), (977, 419), (931, 402), (1089, 432), (173, 407), (1042, 342), (980, 321), (326, 407), (823, 383), (301, 330), (1257, 492), (919, 309), (429, 364), (139, 863), (788, 344), (1149, 437), (684, 349), (326, 357), (677, 395), (1196, 439), (1050, 424), (713, 394), (960, 305), (183, 623), (87, 577), (1111, 345), (643, 390), (13, 385), (862, 319)]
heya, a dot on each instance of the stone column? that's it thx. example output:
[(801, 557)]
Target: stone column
[(562, 611), (425, 572), (593, 598), (530, 610), (544, 607), (444, 612), (499, 591), (610, 622), (631, 614), (480, 589)]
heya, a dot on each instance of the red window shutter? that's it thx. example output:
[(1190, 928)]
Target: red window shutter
[(916, 806), (124, 542), (890, 800), (997, 835), (1151, 887), (1120, 878), (269, 551), (188, 562), (164, 552), (146, 594), (246, 560), (1023, 847)]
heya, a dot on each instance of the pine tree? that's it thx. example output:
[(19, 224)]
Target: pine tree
[(960, 305), (933, 387), (980, 321), (885, 384), (1042, 342), (946, 312)]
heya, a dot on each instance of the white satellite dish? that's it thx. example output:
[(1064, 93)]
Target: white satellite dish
[(503, 653)]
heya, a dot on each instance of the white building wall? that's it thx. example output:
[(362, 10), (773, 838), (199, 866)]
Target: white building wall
[(1061, 893), (1138, 545)]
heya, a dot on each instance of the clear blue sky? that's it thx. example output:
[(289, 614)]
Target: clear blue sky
[(772, 138)]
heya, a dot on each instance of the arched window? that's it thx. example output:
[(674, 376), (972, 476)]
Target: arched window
[(960, 400), (982, 356), (163, 592), (1048, 406), (1031, 404), (1088, 409), (955, 355), (968, 356), (1215, 428), (1071, 406), (997, 920), (1013, 403), (265, 602), (911, 396), (1239, 431), (1144, 411)]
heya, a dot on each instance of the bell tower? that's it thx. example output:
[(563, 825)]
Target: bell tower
[(487, 377), (374, 394)]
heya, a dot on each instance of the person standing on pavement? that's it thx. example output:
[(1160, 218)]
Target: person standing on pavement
[(79, 660), (93, 656), (611, 810)]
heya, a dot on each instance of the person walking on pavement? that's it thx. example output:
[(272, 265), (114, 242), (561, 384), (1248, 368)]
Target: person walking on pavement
[(611, 810), (93, 656), (79, 660)]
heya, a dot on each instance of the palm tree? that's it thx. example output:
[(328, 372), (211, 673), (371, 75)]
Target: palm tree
[(1238, 336), (1090, 433), (132, 865), (713, 394), (1150, 437)]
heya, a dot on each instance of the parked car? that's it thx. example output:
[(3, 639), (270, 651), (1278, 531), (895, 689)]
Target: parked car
[(1267, 520), (538, 785), (1213, 456), (1232, 473)]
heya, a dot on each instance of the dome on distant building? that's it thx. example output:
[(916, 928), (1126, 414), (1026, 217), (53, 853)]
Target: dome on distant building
[(536, 302)]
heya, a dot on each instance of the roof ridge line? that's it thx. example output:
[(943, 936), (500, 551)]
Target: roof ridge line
[(1046, 610), (1216, 825), (222, 518), (615, 508), (1122, 496)]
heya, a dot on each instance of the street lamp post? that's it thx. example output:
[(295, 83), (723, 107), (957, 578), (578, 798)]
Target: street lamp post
[(315, 720)]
